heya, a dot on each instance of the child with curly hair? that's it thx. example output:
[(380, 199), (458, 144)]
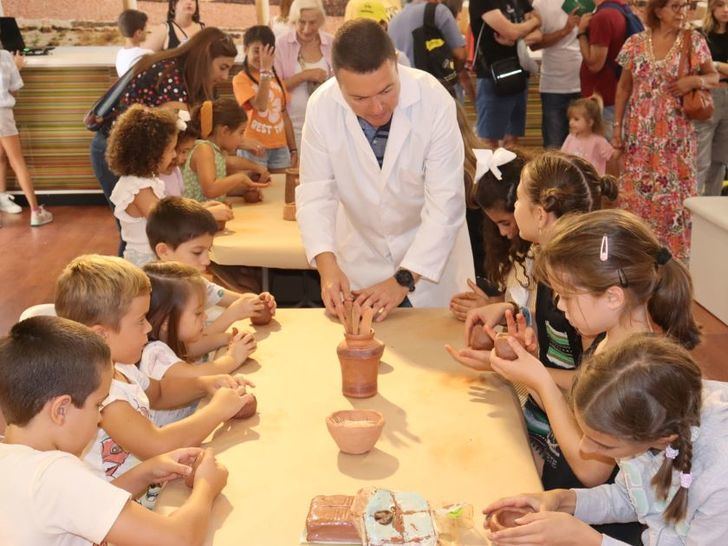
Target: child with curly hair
[(141, 145)]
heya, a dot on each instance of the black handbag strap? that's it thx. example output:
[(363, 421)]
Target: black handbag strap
[(429, 19)]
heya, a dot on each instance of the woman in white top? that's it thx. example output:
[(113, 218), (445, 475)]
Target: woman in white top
[(303, 58)]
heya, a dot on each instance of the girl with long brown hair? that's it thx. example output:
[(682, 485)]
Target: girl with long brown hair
[(642, 403)]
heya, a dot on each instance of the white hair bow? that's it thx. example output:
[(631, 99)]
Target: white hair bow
[(489, 160), (183, 117)]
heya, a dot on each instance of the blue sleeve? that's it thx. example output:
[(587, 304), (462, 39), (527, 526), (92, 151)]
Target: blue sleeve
[(445, 22)]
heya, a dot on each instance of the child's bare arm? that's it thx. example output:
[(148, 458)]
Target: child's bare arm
[(186, 526), (239, 349), (203, 164), (244, 306), (173, 392), (159, 469), (143, 203), (209, 341), (140, 436)]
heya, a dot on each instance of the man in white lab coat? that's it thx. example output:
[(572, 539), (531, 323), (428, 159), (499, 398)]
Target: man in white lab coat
[(381, 203)]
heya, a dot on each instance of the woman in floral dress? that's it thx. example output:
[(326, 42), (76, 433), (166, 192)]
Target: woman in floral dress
[(659, 140)]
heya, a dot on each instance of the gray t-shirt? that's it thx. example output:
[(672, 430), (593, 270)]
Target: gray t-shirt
[(412, 17)]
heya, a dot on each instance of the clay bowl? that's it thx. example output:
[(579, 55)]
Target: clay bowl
[(355, 431), (248, 409), (479, 340), (505, 518), (190, 478), (264, 317), (502, 348)]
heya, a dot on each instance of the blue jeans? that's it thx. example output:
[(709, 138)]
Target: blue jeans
[(498, 116), (273, 159), (554, 119), (103, 174)]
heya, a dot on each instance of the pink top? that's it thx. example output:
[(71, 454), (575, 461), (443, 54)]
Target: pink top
[(594, 148), (173, 182), (288, 49)]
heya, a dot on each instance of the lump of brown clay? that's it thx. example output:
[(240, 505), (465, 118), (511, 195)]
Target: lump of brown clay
[(479, 340), (248, 409), (502, 348), (252, 196), (264, 317)]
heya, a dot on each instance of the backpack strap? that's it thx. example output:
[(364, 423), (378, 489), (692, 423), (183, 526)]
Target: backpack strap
[(429, 20)]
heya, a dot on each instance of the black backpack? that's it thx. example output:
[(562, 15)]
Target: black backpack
[(432, 54)]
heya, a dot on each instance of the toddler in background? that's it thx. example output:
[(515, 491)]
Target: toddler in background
[(181, 230), (221, 126), (10, 148), (261, 92), (111, 296), (586, 133), (54, 377), (133, 27), (142, 143), (177, 316)]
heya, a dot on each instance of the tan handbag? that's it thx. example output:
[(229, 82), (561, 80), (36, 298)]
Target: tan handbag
[(698, 103)]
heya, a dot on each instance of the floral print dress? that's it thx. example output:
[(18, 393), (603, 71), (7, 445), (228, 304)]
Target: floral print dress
[(659, 140)]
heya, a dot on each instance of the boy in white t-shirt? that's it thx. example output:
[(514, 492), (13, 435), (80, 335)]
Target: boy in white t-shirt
[(54, 375), (111, 296), (133, 27)]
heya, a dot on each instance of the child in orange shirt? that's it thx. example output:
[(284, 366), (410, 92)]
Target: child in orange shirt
[(261, 93)]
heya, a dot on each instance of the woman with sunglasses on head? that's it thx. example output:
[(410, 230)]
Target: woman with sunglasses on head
[(651, 128)]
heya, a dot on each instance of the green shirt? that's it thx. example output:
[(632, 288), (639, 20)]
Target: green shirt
[(192, 183)]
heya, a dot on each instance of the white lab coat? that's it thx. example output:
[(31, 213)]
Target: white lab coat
[(408, 214)]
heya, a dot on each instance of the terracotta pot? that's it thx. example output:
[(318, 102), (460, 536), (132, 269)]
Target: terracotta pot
[(252, 196), (248, 409), (355, 431), (289, 212), (479, 340), (506, 517), (502, 348), (190, 478), (291, 183), (359, 356), (264, 317)]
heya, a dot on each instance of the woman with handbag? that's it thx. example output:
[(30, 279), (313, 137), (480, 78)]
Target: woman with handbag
[(666, 71), (178, 78)]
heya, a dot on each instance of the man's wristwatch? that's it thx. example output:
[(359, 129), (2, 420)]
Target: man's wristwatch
[(405, 278)]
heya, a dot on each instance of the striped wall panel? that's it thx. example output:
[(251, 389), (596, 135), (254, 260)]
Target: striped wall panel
[(50, 110)]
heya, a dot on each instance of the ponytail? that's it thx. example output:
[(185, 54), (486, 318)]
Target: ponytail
[(671, 303), (211, 114)]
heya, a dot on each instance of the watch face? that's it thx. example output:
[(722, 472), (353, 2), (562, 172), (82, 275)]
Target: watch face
[(405, 278)]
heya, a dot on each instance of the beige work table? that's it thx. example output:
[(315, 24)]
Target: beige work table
[(259, 236), (451, 434)]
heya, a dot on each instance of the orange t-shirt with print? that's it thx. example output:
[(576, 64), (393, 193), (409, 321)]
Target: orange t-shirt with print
[(266, 127)]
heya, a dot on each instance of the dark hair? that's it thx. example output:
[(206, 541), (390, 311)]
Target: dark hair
[(172, 8), (226, 112), (651, 18), (138, 140), (130, 21), (176, 220), (573, 257), (46, 357), (455, 6), (194, 59), (490, 193), (563, 183), (264, 35), (361, 46), (173, 284), (644, 389)]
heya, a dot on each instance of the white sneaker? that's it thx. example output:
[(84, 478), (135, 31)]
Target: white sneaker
[(7, 204), (40, 217)]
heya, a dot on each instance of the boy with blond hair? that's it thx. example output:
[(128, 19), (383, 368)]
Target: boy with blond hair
[(54, 376), (111, 296)]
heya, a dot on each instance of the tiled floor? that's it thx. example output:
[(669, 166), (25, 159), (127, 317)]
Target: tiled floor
[(32, 258)]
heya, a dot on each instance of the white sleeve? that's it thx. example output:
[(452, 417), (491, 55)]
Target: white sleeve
[(444, 211), (157, 358), (317, 197), (69, 498), (608, 503), (15, 81), (213, 293)]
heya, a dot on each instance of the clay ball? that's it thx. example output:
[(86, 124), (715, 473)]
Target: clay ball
[(190, 478), (479, 340), (252, 196), (505, 518), (502, 348), (264, 317), (248, 409)]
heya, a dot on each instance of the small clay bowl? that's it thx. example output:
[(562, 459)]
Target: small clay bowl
[(190, 478), (505, 518), (248, 409), (355, 431), (264, 317), (479, 340), (252, 196), (502, 348)]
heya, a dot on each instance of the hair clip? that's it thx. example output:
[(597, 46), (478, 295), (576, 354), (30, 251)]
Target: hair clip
[(183, 117), (671, 453), (686, 479), (604, 249), (663, 256), (489, 160), (622, 278)]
